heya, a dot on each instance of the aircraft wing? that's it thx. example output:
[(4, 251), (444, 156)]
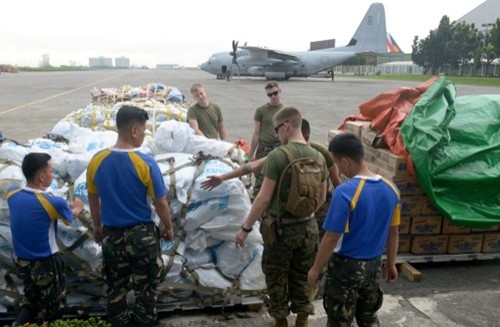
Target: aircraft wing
[(263, 56)]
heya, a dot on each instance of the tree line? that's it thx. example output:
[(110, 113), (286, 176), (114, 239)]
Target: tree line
[(457, 44)]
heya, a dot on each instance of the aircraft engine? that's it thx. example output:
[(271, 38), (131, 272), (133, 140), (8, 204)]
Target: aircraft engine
[(275, 75)]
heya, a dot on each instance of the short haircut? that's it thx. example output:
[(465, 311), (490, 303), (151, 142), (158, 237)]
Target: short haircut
[(195, 87), (290, 114), (271, 85), (306, 128), (34, 162), (129, 115), (346, 145)]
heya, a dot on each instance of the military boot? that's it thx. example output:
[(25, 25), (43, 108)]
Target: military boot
[(279, 322), (301, 320)]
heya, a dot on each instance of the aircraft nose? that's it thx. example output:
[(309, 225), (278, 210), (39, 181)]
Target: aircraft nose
[(204, 66)]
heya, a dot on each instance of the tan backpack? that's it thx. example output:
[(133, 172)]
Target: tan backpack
[(306, 180)]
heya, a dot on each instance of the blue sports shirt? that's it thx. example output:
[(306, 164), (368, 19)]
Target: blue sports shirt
[(33, 221), (125, 180), (362, 210)]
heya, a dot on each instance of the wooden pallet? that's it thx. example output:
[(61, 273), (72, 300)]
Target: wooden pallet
[(405, 260)]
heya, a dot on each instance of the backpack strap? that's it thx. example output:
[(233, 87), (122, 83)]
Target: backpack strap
[(354, 201), (291, 160)]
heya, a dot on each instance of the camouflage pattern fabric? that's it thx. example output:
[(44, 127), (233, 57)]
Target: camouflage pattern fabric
[(44, 287), (321, 214), (132, 255), (286, 264), (352, 290), (262, 150)]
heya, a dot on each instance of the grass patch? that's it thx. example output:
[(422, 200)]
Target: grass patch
[(462, 80)]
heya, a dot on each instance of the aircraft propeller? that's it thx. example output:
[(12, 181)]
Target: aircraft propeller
[(233, 53)]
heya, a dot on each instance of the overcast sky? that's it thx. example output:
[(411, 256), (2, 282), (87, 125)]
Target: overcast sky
[(187, 32)]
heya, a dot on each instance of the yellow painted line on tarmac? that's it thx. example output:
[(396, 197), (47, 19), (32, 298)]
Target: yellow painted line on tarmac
[(26, 105)]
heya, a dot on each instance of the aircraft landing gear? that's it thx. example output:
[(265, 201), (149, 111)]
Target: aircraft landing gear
[(219, 76)]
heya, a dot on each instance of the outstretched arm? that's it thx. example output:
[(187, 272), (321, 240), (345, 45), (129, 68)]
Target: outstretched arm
[(250, 167), (193, 123)]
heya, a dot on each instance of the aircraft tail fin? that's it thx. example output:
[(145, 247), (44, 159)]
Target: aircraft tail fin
[(392, 46), (371, 35)]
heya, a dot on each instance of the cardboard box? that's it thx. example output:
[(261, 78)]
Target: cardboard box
[(332, 133), (370, 153), (428, 208), (470, 243), (408, 185), (356, 127), (436, 244), (451, 228), (393, 164), (404, 243), (404, 225), (411, 205), (371, 137), (491, 243), (493, 228), (425, 225)]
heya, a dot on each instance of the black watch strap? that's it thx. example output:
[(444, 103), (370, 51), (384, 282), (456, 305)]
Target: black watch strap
[(246, 230)]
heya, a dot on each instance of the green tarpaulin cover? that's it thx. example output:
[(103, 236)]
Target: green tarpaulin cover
[(454, 143)]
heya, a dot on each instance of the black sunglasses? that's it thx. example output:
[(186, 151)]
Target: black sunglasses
[(275, 93), (277, 128)]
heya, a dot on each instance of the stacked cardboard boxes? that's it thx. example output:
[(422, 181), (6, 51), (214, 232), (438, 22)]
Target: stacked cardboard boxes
[(423, 229)]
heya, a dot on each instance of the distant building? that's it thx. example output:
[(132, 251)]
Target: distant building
[(122, 62), (323, 44), (45, 60), (167, 66), (100, 62), (483, 16)]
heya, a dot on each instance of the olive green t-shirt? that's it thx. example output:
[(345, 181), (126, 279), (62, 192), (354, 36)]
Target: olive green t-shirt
[(324, 151), (208, 119), (274, 166), (264, 115)]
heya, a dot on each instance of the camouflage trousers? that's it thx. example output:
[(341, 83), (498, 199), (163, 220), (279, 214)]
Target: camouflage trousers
[(44, 288), (132, 255), (320, 214), (262, 150), (286, 264), (352, 290)]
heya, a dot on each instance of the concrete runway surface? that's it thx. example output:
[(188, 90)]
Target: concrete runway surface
[(461, 294)]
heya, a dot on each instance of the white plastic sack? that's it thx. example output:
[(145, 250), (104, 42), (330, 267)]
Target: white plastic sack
[(231, 260), (232, 186), (201, 212), (13, 152), (252, 278), (172, 136), (183, 176), (214, 147), (6, 247)]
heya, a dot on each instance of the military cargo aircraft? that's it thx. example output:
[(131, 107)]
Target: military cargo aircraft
[(371, 36)]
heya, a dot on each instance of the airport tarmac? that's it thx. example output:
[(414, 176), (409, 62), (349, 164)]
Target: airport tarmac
[(459, 294)]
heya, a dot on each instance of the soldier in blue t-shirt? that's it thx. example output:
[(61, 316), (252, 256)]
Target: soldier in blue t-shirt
[(363, 219), (122, 183), (33, 223)]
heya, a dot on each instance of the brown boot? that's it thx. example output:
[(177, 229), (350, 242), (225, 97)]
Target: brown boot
[(279, 322), (301, 320)]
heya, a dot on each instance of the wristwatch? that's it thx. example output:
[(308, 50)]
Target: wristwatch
[(246, 230)]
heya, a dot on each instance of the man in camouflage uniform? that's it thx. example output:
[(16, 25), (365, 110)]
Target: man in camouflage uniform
[(33, 222), (333, 173), (264, 140), (120, 183), (288, 257), (363, 220)]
